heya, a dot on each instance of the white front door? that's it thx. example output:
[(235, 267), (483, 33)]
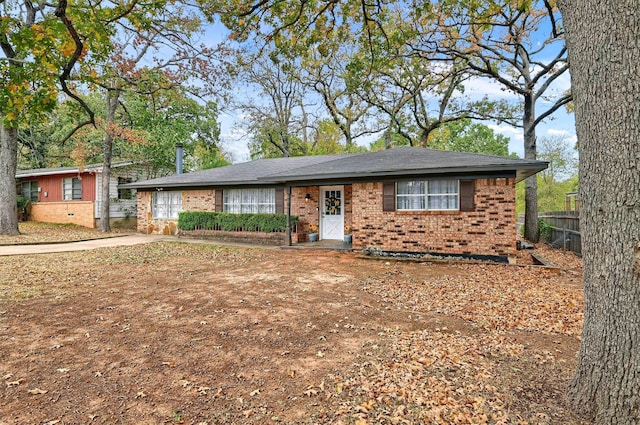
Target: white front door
[(332, 212)]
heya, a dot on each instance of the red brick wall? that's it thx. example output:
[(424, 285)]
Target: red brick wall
[(489, 230), (204, 200), (191, 200), (199, 200), (308, 212), (75, 212)]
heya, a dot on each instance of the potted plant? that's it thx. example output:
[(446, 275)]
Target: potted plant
[(313, 233), (347, 234)]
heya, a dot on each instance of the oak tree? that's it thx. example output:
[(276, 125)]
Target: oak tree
[(602, 38), (519, 45), (44, 46), (274, 112)]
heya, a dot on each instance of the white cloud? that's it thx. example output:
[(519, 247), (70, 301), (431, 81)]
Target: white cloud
[(566, 136), (563, 134), (477, 88)]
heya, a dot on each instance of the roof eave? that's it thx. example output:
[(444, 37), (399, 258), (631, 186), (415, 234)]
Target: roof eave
[(95, 168), (53, 173)]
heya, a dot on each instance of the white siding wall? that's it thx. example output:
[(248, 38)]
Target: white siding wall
[(119, 208)]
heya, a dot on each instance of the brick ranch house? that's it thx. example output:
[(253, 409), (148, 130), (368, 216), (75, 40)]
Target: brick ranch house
[(410, 200), (74, 194)]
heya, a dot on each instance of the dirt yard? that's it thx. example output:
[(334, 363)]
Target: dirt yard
[(171, 333)]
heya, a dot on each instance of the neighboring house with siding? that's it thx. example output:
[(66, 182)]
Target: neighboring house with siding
[(406, 199), (74, 194)]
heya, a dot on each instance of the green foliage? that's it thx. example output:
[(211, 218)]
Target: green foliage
[(557, 180), (163, 120), (551, 195), (38, 47), (460, 136), (561, 158), (386, 141), (467, 136), (148, 130), (22, 202), (545, 230), (206, 220), (271, 140), (327, 139)]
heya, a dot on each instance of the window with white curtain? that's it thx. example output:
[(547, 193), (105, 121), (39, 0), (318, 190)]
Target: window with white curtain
[(421, 195), (166, 204), (257, 200)]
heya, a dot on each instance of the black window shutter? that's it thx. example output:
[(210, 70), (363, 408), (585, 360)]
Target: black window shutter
[(467, 191), (219, 207), (279, 200), (389, 196)]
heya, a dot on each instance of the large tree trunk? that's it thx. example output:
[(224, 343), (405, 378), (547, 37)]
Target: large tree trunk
[(531, 230), (604, 52), (113, 97), (8, 160)]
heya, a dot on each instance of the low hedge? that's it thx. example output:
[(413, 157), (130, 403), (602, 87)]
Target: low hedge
[(206, 220)]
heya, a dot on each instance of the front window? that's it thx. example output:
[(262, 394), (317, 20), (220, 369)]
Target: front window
[(125, 193), (421, 195), (71, 189), (237, 201), (166, 204), (30, 190)]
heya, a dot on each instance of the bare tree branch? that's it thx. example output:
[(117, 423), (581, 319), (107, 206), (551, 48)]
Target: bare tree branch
[(559, 103), (61, 13)]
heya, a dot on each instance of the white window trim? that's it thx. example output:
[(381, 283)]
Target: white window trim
[(426, 195), (65, 182)]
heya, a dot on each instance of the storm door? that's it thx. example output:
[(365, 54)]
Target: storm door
[(332, 212)]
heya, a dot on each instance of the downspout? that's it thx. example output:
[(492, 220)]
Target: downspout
[(288, 231)]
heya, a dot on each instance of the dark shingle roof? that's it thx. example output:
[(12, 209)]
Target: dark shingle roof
[(410, 161), (405, 161), (252, 172)]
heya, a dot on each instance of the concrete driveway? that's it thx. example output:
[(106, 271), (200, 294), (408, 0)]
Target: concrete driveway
[(83, 245), (126, 240)]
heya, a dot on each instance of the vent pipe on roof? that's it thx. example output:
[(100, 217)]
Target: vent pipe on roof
[(179, 155)]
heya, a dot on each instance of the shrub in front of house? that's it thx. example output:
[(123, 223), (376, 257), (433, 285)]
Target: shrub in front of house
[(206, 220)]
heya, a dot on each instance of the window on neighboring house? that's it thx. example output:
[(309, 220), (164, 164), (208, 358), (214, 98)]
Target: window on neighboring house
[(30, 190), (71, 189), (419, 195), (259, 200), (124, 193), (166, 204)]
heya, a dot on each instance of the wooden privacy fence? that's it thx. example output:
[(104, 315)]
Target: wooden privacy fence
[(565, 230)]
